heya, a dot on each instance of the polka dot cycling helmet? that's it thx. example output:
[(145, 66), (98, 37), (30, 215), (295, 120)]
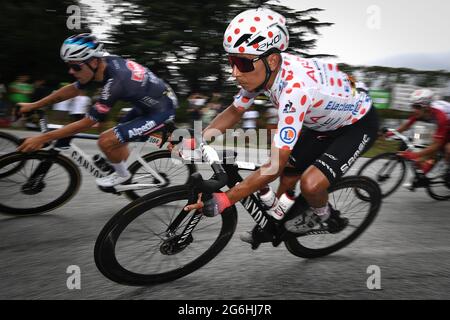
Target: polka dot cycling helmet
[(256, 31)]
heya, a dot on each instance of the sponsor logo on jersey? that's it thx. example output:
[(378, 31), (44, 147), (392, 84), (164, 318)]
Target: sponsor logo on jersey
[(288, 108), (344, 107), (288, 135), (330, 156), (135, 132), (102, 108), (106, 92), (328, 168), (356, 155), (137, 71), (148, 101)]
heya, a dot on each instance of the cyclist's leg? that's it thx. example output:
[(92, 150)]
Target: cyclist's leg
[(342, 153), (310, 145), (114, 142)]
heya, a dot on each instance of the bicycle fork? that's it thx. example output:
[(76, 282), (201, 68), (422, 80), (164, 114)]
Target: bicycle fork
[(35, 183)]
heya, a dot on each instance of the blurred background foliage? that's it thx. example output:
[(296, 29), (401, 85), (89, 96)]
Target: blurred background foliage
[(181, 41)]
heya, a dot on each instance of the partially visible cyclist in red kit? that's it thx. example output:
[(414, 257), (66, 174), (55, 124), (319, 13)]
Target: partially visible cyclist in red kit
[(438, 112)]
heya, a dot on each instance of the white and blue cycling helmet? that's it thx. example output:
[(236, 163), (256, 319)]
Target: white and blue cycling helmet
[(81, 47)]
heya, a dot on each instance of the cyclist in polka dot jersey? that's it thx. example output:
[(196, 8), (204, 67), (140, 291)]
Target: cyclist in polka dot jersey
[(325, 122)]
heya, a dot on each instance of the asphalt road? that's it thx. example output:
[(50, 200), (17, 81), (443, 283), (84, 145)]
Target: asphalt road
[(409, 241)]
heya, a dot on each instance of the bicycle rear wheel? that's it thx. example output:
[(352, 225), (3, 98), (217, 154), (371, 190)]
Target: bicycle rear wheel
[(40, 182), (143, 243), (344, 196), (387, 169), (175, 172)]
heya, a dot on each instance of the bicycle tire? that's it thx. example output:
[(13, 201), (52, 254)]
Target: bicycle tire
[(293, 243), (388, 155), (12, 141), (10, 138), (104, 251), (152, 156), (441, 180), (64, 162)]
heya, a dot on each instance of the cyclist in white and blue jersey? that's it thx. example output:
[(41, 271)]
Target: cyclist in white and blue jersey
[(153, 101)]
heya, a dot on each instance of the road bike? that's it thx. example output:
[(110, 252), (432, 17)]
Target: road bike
[(153, 240), (389, 171), (37, 182)]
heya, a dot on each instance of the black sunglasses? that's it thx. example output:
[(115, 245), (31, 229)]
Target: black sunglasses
[(75, 66), (243, 64)]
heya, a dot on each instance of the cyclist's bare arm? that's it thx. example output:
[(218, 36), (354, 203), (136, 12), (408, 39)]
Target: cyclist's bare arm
[(256, 181), (227, 119), (260, 178), (405, 126), (431, 149), (70, 129), (62, 94), (35, 143)]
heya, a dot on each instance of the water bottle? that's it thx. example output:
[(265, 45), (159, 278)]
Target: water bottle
[(268, 197), (102, 164)]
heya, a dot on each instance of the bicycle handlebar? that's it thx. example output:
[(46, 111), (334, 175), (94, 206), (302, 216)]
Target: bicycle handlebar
[(400, 136), (220, 177)]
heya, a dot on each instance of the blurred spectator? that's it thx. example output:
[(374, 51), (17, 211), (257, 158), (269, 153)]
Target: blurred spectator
[(4, 121), (216, 102), (250, 120), (20, 91), (78, 106), (41, 90), (208, 114), (271, 123), (61, 109), (196, 103), (212, 108)]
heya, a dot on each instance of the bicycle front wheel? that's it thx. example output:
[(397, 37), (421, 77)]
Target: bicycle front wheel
[(173, 171), (145, 243), (358, 212), (438, 186), (387, 169), (8, 144), (40, 182)]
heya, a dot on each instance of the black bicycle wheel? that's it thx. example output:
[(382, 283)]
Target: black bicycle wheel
[(139, 245), (387, 169), (173, 170), (438, 186), (24, 193), (8, 144), (360, 214)]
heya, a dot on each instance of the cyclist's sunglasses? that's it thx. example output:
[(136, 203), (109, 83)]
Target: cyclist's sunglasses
[(243, 64), (75, 66)]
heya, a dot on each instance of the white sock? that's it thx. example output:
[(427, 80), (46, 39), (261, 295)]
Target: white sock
[(121, 169), (323, 212)]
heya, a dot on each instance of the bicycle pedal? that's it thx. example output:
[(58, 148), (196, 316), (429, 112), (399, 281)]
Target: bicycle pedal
[(336, 225)]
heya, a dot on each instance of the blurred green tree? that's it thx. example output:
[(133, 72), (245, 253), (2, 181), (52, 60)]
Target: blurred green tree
[(182, 41)]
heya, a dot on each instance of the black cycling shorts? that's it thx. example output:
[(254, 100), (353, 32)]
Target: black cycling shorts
[(333, 153)]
